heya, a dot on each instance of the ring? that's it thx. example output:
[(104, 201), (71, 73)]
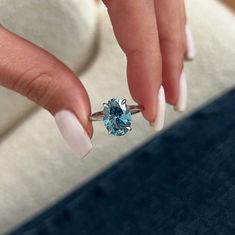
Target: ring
[(116, 116)]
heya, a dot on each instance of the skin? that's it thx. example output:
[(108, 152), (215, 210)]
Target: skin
[(150, 32)]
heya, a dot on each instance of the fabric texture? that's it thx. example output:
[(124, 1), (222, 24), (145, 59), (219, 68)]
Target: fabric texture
[(181, 182)]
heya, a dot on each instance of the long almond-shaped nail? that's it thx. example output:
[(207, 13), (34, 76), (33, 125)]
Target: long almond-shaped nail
[(158, 124), (73, 132), (190, 50), (182, 98)]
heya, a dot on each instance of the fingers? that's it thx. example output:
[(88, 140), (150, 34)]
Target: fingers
[(135, 28), (171, 23), (39, 76)]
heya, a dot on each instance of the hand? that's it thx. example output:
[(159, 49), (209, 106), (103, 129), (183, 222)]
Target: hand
[(156, 40), (155, 49)]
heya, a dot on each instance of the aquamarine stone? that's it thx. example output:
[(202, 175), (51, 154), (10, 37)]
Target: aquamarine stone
[(117, 117)]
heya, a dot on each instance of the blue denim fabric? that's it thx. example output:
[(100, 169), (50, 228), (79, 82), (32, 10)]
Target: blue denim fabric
[(179, 183)]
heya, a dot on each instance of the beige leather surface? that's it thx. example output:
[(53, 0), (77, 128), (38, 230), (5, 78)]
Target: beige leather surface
[(36, 166)]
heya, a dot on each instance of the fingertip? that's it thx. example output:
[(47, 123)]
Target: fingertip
[(171, 88), (73, 132), (73, 96), (149, 112)]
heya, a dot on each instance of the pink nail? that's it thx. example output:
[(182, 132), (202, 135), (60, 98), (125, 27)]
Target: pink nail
[(73, 132), (158, 124)]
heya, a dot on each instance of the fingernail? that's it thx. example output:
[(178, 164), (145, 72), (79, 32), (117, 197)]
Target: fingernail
[(190, 50), (158, 124), (73, 132), (182, 99)]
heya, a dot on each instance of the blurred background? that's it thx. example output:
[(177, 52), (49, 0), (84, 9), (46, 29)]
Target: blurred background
[(36, 166)]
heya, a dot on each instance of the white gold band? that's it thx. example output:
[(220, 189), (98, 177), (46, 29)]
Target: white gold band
[(98, 116)]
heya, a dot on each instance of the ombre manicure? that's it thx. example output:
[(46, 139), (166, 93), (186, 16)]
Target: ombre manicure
[(182, 98), (158, 124), (73, 132)]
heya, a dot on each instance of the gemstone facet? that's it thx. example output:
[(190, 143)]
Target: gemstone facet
[(117, 117)]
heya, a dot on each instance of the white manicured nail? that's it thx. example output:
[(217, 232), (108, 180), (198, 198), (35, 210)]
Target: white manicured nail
[(73, 132), (182, 99), (190, 53), (158, 124)]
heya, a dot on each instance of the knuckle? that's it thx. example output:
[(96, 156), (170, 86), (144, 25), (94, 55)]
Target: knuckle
[(38, 88), (139, 52), (175, 42)]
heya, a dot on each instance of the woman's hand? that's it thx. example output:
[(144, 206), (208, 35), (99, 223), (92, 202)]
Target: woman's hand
[(154, 36)]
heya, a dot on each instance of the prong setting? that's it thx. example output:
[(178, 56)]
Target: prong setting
[(129, 128), (123, 101), (105, 105)]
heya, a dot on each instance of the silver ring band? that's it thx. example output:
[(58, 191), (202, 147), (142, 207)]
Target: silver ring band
[(98, 116)]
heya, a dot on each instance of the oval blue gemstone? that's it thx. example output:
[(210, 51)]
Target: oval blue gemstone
[(117, 117)]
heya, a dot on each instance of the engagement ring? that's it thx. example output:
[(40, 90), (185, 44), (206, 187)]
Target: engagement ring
[(116, 116)]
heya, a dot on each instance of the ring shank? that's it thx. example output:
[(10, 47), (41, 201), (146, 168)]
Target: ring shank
[(134, 109), (98, 116)]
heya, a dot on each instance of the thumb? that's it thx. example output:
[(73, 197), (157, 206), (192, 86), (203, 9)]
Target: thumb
[(36, 74)]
